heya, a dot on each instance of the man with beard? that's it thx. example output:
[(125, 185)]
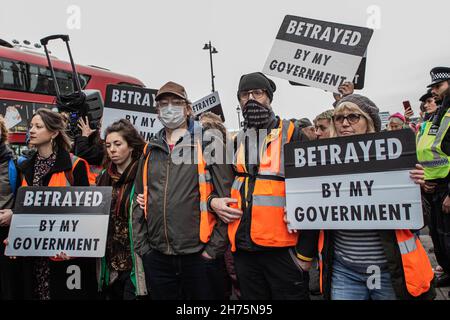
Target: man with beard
[(271, 261), (433, 152)]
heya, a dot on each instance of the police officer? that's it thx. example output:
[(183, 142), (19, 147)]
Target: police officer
[(433, 152)]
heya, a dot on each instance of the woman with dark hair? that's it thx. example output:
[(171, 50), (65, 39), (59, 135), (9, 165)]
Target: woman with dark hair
[(121, 276), (52, 165)]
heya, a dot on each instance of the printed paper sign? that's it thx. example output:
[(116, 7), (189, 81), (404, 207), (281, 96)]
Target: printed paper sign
[(357, 182), (134, 104), (317, 53), (210, 103), (51, 220)]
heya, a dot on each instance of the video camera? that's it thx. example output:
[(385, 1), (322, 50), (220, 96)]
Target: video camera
[(80, 103)]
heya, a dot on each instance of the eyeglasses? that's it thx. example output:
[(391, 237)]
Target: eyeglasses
[(352, 118), (257, 94), (174, 102), (321, 128)]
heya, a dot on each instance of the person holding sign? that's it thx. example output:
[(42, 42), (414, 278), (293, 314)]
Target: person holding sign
[(121, 269), (350, 258), (52, 165), (175, 231), (433, 152), (271, 262)]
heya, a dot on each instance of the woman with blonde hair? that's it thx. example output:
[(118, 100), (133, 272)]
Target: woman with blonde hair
[(350, 256)]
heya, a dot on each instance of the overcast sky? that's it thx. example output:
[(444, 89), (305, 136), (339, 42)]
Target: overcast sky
[(159, 41)]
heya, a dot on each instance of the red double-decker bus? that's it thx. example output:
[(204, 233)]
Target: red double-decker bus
[(26, 84)]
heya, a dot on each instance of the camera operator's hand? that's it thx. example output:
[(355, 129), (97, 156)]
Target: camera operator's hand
[(86, 130)]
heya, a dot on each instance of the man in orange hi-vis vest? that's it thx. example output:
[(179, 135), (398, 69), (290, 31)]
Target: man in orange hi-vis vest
[(271, 262)]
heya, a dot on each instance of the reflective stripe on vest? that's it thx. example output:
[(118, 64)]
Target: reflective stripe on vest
[(59, 179), (320, 249), (416, 265), (429, 152), (267, 228), (207, 219), (269, 201)]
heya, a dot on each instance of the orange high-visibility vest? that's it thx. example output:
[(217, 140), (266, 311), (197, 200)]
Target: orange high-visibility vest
[(59, 179), (267, 228), (94, 172), (415, 262), (205, 186)]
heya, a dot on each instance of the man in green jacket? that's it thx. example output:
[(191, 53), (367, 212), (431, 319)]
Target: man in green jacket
[(180, 240)]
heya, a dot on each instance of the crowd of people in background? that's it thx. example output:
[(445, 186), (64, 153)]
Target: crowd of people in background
[(205, 229)]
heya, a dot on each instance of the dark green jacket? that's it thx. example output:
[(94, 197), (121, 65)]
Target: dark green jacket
[(173, 223)]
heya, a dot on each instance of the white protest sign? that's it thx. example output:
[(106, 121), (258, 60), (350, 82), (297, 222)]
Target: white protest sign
[(51, 220), (317, 53), (210, 103), (134, 104), (359, 182), (384, 117)]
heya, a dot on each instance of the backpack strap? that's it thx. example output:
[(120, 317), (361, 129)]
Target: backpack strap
[(12, 172)]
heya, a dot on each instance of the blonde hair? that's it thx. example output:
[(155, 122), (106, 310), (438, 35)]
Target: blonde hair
[(352, 107), (4, 130)]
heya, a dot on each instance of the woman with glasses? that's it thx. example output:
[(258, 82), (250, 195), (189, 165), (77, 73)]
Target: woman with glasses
[(368, 264)]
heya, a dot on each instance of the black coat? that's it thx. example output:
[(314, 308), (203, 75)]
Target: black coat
[(60, 271), (62, 163), (91, 149)]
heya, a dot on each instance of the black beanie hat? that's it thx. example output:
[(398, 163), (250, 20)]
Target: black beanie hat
[(256, 80)]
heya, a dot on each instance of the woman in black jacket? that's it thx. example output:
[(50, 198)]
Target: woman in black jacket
[(52, 165)]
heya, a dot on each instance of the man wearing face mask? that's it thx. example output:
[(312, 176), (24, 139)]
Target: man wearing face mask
[(271, 262), (180, 241)]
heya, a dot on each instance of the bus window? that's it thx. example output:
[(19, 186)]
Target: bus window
[(13, 75), (41, 80), (20, 76)]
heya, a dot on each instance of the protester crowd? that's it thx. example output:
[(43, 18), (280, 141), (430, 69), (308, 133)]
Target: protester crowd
[(202, 228)]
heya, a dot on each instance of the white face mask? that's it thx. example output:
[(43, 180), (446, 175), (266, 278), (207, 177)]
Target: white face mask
[(172, 117)]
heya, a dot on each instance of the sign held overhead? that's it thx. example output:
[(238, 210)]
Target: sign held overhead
[(210, 103), (317, 53), (134, 104)]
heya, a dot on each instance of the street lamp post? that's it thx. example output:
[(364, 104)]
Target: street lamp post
[(212, 50)]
